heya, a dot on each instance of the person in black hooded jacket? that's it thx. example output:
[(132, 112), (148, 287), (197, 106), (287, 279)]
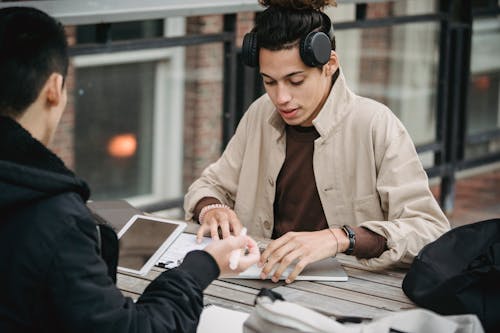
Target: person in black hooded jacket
[(53, 277)]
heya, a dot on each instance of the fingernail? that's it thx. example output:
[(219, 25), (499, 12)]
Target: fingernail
[(288, 281), (262, 276)]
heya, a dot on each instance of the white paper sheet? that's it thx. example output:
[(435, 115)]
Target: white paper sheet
[(216, 319), (178, 250)]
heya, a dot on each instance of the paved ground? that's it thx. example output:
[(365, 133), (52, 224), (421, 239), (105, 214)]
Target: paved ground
[(477, 198)]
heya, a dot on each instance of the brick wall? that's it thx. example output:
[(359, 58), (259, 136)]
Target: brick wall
[(375, 60), (203, 99), (204, 94), (245, 23)]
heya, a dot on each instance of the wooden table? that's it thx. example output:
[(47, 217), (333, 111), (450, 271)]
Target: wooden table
[(367, 293)]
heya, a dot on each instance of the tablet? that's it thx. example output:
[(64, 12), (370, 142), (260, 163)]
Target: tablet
[(143, 240)]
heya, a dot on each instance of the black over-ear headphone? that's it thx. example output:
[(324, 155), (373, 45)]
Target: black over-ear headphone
[(314, 48)]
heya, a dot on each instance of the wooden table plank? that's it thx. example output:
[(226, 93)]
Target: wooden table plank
[(329, 305), (235, 286), (350, 261), (230, 294), (131, 284), (255, 283), (213, 300), (349, 295), (374, 276), (371, 288)]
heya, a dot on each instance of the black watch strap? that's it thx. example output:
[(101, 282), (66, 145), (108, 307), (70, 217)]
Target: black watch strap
[(352, 238)]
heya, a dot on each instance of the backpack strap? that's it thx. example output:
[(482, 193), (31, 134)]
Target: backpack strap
[(108, 247)]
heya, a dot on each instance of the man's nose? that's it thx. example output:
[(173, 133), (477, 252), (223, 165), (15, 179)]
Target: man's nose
[(282, 94)]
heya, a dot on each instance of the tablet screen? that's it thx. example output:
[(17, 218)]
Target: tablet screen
[(143, 238)]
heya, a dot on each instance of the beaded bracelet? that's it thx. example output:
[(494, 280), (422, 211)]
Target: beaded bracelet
[(208, 208)]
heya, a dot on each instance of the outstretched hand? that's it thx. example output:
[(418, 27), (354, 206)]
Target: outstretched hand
[(221, 251)]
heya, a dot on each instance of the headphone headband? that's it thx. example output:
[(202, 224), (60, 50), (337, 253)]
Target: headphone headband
[(314, 48), (328, 24)]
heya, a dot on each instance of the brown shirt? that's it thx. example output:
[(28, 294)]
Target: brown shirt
[(297, 206)]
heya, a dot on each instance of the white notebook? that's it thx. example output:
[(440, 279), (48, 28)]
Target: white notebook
[(324, 270), (218, 319)]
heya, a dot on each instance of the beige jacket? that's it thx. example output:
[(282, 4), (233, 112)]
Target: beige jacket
[(366, 167)]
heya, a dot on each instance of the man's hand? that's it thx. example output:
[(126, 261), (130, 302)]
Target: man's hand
[(301, 248), (221, 251), (223, 218)]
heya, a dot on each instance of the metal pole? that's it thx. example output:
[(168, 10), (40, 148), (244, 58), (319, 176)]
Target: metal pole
[(229, 115), (455, 59)]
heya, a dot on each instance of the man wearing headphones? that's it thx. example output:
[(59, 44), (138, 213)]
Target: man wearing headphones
[(312, 165)]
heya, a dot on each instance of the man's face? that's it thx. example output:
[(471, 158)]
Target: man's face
[(297, 90)]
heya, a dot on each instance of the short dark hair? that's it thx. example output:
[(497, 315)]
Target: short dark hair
[(32, 46), (280, 27)]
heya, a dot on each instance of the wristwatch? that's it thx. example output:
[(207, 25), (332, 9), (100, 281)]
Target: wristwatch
[(352, 238)]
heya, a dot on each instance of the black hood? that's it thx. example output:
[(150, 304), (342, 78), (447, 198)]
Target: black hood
[(29, 171)]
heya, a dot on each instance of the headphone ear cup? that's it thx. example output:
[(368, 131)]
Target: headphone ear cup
[(315, 49), (249, 50)]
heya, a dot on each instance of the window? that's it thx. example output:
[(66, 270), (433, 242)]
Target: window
[(129, 117), (483, 104)]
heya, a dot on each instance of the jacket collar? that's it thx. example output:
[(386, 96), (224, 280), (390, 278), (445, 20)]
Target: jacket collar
[(332, 112), (335, 108), (29, 170), (18, 146)]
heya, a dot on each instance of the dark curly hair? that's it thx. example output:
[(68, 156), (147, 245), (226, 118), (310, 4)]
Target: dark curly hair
[(284, 22), (299, 4)]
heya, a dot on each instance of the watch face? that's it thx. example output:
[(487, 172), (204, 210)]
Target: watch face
[(349, 232)]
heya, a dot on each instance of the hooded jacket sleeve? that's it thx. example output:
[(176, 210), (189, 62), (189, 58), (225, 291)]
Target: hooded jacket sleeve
[(86, 299)]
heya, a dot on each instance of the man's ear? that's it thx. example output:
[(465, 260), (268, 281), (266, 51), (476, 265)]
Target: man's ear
[(54, 90), (332, 65)]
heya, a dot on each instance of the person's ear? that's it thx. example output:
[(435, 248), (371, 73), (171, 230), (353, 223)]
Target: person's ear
[(54, 89), (332, 65)]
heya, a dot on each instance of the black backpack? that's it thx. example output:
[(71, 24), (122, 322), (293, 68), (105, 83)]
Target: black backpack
[(459, 273)]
